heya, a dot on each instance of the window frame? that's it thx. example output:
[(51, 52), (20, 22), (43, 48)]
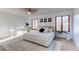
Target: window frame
[(32, 23), (62, 23)]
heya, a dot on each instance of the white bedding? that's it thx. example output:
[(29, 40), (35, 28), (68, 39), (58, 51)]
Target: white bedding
[(41, 38)]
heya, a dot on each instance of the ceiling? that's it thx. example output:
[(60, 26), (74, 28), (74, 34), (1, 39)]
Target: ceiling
[(20, 12)]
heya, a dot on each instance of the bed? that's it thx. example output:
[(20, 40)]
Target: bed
[(31, 41), (43, 39), (23, 45)]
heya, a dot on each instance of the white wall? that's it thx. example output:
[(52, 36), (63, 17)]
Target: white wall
[(9, 21), (52, 15), (76, 27)]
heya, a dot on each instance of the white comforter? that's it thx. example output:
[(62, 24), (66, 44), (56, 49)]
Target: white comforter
[(40, 38)]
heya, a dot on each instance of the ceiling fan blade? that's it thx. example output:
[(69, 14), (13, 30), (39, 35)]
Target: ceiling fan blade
[(31, 10)]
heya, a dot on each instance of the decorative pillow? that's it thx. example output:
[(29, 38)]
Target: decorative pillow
[(50, 30), (46, 29), (41, 30)]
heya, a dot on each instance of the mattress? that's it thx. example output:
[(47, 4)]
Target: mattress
[(40, 38)]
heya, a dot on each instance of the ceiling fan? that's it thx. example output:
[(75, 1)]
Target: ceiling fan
[(30, 10)]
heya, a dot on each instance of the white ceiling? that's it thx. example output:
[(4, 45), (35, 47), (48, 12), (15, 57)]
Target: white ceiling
[(20, 12)]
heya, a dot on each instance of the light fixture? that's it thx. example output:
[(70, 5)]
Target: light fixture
[(29, 12), (11, 30)]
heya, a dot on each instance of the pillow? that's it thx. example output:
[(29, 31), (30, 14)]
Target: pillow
[(46, 29), (41, 30), (50, 30), (33, 31)]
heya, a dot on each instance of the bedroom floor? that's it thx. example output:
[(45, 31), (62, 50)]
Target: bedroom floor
[(61, 45), (65, 45)]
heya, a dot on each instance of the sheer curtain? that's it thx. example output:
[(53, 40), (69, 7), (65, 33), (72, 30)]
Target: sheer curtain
[(63, 23), (34, 23), (58, 24)]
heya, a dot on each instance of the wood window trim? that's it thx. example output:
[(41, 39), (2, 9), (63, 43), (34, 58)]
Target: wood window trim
[(55, 23), (61, 23), (32, 23), (68, 23)]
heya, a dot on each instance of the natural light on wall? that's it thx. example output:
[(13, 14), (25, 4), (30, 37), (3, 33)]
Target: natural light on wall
[(76, 24)]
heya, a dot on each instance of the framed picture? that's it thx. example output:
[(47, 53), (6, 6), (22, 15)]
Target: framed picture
[(45, 19), (41, 20), (49, 19)]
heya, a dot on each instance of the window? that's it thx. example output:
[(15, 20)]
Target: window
[(58, 23), (62, 23), (34, 23)]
